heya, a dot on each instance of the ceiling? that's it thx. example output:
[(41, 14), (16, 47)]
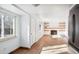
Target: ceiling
[(46, 11)]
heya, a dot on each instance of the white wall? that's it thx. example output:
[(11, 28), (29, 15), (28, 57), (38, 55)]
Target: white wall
[(25, 39), (39, 31), (36, 31), (30, 31)]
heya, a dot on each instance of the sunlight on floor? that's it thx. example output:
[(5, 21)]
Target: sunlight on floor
[(57, 49)]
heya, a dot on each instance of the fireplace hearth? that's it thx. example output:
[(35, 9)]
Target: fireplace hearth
[(53, 32)]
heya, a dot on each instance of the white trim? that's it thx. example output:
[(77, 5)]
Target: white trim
[(7, 12), (2, 26), (2, 39), (20, 9), (14, 25)]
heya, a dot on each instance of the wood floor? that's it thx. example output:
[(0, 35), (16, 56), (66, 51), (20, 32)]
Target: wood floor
[(37, 47)]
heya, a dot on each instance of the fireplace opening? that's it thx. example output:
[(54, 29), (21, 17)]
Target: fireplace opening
[(53, 32)]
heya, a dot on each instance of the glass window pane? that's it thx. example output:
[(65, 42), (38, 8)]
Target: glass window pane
[(11, 25), (8, 25), (0, 26)]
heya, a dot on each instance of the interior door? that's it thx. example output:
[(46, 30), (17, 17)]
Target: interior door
[(32, 30), (72, 27), (76, 27)]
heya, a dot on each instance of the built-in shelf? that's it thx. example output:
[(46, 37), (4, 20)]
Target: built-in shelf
[(60, 27)]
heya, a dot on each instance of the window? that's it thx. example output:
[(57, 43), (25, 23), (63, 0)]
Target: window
[(7, 23)]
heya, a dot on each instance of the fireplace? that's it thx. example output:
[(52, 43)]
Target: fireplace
[(53, 32)]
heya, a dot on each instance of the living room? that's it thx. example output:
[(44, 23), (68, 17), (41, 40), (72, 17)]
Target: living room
[(34, 28)]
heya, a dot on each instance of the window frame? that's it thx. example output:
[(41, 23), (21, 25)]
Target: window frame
[(2, 38), (0, 25), (5, 27)]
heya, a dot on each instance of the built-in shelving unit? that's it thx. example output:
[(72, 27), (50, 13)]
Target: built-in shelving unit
[(60, 27)]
